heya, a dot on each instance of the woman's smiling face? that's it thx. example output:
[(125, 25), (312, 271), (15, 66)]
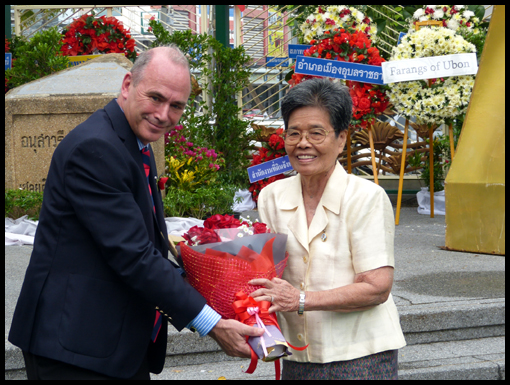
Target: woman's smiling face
[(309, 159)]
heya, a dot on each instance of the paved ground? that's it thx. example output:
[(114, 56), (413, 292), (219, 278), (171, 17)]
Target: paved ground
[(427, 278)]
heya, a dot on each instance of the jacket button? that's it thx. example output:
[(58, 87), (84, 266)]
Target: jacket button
[(300, 337), (305, 259)]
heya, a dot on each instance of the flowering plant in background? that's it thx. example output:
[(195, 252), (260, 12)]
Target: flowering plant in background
[(336, 16), (350, 45), (445, 98), (273, 149), (188, 166), (88, 35)]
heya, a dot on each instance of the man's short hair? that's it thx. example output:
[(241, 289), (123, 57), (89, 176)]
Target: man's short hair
[(173, 53)]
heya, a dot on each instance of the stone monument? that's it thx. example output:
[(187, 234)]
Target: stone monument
[(39, 114)]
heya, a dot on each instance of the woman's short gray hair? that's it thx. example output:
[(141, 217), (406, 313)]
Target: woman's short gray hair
[(322, 93), (173, 52)]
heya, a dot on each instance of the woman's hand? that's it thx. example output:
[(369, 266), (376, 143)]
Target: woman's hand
[(285, 296)]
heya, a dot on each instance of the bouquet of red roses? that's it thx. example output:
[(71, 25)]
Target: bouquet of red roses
[(221, 258)]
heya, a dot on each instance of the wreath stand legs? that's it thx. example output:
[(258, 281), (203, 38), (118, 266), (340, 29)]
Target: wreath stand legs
[(402, 170), (372, 152), (452, 145), (431, 168)]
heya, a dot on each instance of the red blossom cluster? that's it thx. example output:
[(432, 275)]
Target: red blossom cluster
[(367, 102), (276, 149), (207, 234), (349, 45), (88, 35)]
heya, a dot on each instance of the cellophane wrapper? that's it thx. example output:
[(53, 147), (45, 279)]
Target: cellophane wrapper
[(220, 270)]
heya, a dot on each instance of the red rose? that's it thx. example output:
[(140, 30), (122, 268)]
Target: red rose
[(208, 236), (195, 231), (222, 222), (364, 103), (260, 228), (201, 235), (161, 183)]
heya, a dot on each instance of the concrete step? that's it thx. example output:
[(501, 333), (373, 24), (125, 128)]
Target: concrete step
[(477, 359), (452, 321), (423, 325)]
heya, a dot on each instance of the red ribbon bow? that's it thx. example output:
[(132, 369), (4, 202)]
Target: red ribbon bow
[(243, 302), (241, 305)]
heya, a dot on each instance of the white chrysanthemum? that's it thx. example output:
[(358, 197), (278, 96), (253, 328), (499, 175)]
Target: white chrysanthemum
[(453, 24), (419, 13), (438, 14), (312, 30), (468, 14)]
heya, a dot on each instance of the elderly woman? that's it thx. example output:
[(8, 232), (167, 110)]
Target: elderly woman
[(335, 292)]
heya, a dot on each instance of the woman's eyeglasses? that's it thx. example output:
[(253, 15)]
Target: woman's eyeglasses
[(314, 136)]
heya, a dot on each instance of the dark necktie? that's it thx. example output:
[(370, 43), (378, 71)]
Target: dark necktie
[(146, 157)]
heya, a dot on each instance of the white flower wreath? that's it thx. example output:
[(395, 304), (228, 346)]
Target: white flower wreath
[(445, 98), (452, 16), (336, 16)]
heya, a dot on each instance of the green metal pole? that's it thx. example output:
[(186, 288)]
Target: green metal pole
[(222, 25), (8, 21)]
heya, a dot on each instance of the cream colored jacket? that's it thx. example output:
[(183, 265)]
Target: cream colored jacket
[(357, 219)]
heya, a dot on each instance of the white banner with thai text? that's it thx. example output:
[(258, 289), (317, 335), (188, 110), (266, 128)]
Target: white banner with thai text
[(429, 67)]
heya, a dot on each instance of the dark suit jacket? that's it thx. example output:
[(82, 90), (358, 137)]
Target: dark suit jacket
[(99, 265)]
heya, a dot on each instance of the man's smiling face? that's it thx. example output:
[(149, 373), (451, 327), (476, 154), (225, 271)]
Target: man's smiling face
[(157, 102)]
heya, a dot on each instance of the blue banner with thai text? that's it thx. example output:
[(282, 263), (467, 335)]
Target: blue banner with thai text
[(8, 61), (296, 50), (269, 169), (363, 73)]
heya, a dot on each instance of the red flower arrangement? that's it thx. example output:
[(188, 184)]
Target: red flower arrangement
[(349, 45), (207, 234), (88, 35), (221, 272), (275, 149)]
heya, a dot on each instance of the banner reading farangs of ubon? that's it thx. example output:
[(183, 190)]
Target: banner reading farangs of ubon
[(429, 67)]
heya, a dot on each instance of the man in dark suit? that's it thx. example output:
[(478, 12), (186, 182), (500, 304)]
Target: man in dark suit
[(99, 281)]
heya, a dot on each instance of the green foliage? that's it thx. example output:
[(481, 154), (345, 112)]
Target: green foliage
[(38, 57), (201, 203), (23, 202), (221, 72)]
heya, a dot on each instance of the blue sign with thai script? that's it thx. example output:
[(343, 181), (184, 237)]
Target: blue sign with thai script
[(338, 69), (297, 49), (8, 60), (272, 61), (269, 169)]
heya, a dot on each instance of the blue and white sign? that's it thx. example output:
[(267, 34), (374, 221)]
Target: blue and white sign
[(430, 67), (338, 69), (272, 61), (297, 49), (269, 169), (8, 60)]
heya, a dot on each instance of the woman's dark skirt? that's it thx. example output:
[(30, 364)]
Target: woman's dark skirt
[(379, 366)]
